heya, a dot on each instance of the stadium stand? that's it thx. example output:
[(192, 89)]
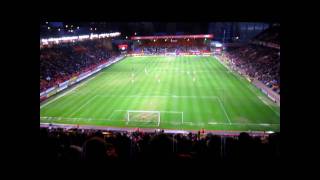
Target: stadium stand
[(271, 35), (163, 46), (258, 61), (62, 61), (90, 144)]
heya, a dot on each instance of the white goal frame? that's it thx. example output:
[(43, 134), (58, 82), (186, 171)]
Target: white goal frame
[(142, 111)]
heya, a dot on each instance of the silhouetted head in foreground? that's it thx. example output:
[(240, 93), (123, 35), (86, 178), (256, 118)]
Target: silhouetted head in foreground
[(95, 149), (162, 147)]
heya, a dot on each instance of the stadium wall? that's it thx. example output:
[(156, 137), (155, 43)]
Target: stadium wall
[(54, 90)]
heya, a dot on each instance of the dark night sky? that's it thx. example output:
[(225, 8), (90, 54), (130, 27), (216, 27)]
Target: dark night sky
[(144, 28), (220, 30)]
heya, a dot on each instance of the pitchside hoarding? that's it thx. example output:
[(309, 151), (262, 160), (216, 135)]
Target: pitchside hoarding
[(53, 90)]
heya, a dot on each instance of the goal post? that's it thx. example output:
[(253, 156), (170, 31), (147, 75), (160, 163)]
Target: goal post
[(153, 118), (140, 116)]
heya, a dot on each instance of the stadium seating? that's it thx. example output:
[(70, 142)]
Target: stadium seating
[(62, 61), (257, 61), (78, 144), (166, 46)]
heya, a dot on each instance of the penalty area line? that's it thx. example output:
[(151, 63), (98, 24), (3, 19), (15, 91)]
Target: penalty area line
[(224, 110)]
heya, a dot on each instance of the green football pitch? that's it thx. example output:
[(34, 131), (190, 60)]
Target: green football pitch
[(180, 93)]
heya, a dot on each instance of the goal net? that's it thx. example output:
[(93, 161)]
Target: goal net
[(136, 117)]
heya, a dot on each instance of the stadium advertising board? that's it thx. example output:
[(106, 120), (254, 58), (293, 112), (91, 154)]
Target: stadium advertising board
[(52, 93), (96, 70), (42, 93), (73, 80), (62, 88), (50, 89), (264, 91), (170, 54), (84, 75), (175, 54), (64, 83), (272, 98), (100, 66), (105, 65), (206, 54)]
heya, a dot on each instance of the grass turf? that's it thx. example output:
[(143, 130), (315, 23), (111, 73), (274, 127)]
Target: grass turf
[(191, 92)]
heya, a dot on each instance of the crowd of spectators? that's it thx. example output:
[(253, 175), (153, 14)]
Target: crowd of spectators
[(84, 144), (60, 62), (168, 46), (261, 63)]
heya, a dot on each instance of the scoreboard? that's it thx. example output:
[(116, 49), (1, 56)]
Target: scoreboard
[(123, 47), (216, 47)]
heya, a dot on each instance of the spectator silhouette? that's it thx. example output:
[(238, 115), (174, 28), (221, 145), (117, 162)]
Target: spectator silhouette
[(95, 149), (161, 147)]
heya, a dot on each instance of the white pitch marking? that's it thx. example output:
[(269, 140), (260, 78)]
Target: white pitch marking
[(188, 122), (269, 106), (224, 110)]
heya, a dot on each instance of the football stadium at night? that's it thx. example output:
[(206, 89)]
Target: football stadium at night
[(148, 90)]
